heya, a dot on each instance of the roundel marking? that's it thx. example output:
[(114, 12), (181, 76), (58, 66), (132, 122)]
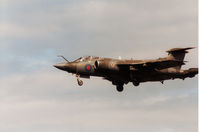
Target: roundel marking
[(88, 67), (171, 58)]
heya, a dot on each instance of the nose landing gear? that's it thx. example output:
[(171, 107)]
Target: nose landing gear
[(80, 82)]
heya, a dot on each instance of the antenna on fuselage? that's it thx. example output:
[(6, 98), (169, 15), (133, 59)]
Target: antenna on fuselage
[(63, 57)]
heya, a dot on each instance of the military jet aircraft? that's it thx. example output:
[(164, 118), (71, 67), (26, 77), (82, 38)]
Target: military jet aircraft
[(121, 72)]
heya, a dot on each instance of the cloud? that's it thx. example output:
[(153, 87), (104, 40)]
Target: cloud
[(49, 100), (100, 24)]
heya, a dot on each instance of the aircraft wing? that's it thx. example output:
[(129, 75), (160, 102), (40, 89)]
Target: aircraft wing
[(152, 65)]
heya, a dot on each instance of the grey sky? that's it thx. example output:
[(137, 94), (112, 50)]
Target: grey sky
[(37, 97)]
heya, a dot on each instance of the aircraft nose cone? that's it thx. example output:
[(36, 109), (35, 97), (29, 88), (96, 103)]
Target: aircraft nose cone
[(60, 66), (69, 67)]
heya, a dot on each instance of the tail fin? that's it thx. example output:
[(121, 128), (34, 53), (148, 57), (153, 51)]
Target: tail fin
[(177, 54)]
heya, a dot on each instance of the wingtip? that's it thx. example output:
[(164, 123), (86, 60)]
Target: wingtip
[(191, 48)]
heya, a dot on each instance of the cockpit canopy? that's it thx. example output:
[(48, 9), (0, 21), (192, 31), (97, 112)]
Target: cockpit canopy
[(86, 58)]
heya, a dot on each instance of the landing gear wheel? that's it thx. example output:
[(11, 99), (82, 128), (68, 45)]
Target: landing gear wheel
[(80, 82), (136, 83), (119, 88)]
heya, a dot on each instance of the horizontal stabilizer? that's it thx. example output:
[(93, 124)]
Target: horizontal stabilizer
[(180, 50)]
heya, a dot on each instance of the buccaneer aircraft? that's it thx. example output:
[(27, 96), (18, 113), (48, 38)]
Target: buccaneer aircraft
[(121, 72)]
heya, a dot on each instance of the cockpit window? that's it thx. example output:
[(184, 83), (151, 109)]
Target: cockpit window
[(79, 59), (86, 58)]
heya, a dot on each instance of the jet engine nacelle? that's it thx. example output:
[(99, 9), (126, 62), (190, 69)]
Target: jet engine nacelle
[(99, 65), (104, 65)]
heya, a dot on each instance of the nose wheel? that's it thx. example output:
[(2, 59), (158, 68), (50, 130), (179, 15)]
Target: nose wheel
[(80, 82)]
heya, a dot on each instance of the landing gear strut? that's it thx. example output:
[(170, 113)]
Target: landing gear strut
[(80, 82)]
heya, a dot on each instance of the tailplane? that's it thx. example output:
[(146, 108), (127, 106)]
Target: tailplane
[(177, 54)]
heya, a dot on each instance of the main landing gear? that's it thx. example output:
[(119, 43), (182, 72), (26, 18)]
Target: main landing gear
[(136, 83), (119, 88), (80, 82), (119, 85)]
